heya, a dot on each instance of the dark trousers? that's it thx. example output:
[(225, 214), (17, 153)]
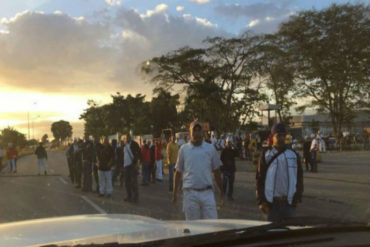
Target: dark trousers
[(78, 172), (71, 170), (152, 172), (313, 160), (87, 176), (228, 183), (145, 172), (280, 210), (96, 176), (171, 171), (115, 173), (307, 162), (131, 182)]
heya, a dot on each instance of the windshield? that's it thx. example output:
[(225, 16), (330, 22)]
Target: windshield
[(185, 110)]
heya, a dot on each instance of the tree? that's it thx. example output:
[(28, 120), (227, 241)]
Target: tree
[(44, 139), (61, 130), (330, 52), (279, 74), (95, 117), (164, 111), (228, 66), (10, 135)]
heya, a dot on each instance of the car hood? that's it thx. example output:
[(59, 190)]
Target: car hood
[(99, 229)]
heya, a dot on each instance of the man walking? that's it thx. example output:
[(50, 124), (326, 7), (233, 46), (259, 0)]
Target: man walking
[(41, 157), (228, 169), (196, 162), (172, 152), (105, 162), (131, 157), (279, 179), (145, 163), (11, 155)]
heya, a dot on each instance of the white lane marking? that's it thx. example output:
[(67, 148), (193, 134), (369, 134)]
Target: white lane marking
[(63, 180), (99, 209)]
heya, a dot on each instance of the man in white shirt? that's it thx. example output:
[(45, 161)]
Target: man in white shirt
[(196, 162), (313, 150)]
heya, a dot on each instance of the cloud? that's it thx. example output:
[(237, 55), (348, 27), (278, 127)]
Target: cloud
[(55, 52), (200, 1), (180, 8), (160, 8), (201, 21), (113, 2), (263, 17)]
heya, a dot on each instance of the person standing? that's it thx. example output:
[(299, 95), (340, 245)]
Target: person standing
[(196, 162), (41, 157), (69, 155), (307, 153), (97, 146), (152, 167), (11, 155), (313, 151), (131, 155), (172, 153), (145, 163), (1, 158), (77, 162), (158, 160), (246, 145), (228, 169), (89, 158), (279, 179), (105, 162), (239, 145)]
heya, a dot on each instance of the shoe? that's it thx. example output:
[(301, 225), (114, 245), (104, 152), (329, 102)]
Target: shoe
[(127, 199), (78, 186), (101, 195)]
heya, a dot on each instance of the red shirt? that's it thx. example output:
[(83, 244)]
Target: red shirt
[(158, 151), (145, 154), (11, 153)]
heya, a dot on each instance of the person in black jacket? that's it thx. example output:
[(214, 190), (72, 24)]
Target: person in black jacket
[(228, 169), (307, 154), (69, 155), (88, 157), (131, 156), (77, 162), (152, 166), (41, 157), (105, 162)]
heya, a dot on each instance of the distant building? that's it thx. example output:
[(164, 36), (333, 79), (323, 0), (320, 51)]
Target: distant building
[(302, 125)]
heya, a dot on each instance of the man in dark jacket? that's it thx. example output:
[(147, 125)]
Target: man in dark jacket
[(228, 169), (131, 156), (41, 157), (152, 166), (77, 162), (105, 162), (69, 155), (97, 146), (88, 157), (307, 154), (279, 179)]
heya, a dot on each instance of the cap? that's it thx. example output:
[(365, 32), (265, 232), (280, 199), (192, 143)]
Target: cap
[(194, 124), (278, 128)]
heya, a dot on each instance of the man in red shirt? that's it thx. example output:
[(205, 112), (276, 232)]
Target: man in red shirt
[(12, 155), (158, 160), (145, 162)]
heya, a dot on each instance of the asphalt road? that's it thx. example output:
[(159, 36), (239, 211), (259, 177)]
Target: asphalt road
[(341, 191)]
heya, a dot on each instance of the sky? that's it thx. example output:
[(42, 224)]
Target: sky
[(57, 54)]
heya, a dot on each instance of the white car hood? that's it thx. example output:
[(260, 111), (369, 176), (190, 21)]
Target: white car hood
[(99, 229)]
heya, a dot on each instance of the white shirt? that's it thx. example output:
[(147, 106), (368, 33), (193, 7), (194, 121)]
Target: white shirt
[(314, 144), (128, 155), (197, 164)]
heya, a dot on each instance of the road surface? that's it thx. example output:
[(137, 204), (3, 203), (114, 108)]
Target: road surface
[(341, 190)]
